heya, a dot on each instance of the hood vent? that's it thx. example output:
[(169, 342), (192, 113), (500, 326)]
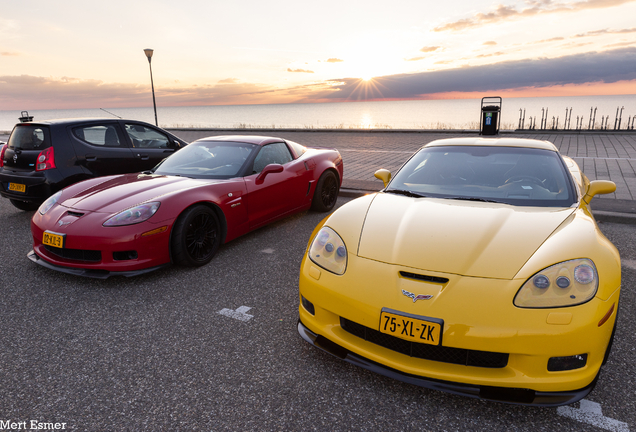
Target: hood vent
[(425, 278), (76, 214)]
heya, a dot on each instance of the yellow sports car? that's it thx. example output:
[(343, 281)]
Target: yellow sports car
[(478, 270)]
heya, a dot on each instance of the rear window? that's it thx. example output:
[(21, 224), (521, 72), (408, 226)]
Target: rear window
[(29, 137)]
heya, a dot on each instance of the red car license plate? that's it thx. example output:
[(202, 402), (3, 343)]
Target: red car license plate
[(53, 239), (411, 328)]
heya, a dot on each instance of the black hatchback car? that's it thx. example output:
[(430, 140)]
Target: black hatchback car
[(41, 158)]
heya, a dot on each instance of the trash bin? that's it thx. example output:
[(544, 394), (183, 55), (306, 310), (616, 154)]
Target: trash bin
[(490, 114)]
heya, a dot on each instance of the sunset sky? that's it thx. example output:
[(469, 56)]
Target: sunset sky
[(85, 54)]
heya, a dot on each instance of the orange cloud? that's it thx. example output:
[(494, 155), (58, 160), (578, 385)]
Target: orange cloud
[(299, 70), (502, 12)]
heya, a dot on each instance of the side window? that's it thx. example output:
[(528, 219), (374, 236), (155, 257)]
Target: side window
[(144, 137), (100, 135), (299, 149), (276, 153)]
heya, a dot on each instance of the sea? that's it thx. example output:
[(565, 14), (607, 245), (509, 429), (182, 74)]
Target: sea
[(572, 112)]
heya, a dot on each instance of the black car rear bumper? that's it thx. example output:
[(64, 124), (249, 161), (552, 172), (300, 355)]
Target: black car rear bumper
[(498, 394), (91, 273), (37, 185)]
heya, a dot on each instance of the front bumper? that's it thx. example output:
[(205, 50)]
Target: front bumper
[(93, 250), (478, 318), (88, 272), (498, 394)]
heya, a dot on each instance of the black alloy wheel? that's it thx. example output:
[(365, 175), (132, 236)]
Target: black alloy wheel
[(326, 192), (196, 236)]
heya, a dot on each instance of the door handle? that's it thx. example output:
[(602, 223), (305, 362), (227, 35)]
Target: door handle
[(143, 156), (91, 158)]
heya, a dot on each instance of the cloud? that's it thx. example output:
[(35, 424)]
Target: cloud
[(228, 81), (554, 39), (501, 12), (428, 49), (606, 31), (9, 54), (25, 91), (334, 60), (490, 43), (607, 67), (415, 58), (299, 70)]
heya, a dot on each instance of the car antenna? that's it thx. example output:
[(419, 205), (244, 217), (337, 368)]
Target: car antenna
[(110, 113)]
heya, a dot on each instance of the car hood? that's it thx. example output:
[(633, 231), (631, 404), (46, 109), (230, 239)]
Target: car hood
[(458, 237), (116, 193)]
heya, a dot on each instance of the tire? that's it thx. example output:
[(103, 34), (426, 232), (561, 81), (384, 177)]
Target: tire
[(196, 236), (326, 192), (608, 350), (25, 205)]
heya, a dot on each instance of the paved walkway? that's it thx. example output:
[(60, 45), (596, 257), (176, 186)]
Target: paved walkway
[(602, 156)]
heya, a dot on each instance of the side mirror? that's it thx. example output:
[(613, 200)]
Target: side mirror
[(384, 175), (598, 187), (269, 169)]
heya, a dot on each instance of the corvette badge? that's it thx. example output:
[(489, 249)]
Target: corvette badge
[(417, 297)]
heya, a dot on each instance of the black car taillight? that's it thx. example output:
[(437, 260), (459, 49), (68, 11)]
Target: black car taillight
[(4, 148), (45, 160)]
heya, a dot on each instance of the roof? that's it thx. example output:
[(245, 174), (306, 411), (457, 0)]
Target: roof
[(249, 139), (495, 142), (70, 121)]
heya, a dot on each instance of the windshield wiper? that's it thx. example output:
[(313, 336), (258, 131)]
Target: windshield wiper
[(475, 199), (405, 193)]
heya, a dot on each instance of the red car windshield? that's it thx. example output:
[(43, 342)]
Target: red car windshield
[(208, 159)]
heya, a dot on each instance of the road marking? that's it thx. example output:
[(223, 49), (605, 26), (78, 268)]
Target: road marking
[(239, 314), (592, 414), (268, 251)]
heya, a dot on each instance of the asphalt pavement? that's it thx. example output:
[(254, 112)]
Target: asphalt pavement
[(216, 349)]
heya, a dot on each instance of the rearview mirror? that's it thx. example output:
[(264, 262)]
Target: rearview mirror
[(599, 187), (384, 175), (269, 169)]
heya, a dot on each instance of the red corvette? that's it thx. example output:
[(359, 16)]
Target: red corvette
[(208, 193)]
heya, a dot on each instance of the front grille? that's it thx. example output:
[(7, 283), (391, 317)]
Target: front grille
[(438, 353), (75, 254)]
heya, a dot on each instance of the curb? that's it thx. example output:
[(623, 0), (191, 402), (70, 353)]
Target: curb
[(599, 215)]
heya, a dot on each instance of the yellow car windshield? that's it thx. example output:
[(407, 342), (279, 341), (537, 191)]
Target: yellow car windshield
[(509, 175)]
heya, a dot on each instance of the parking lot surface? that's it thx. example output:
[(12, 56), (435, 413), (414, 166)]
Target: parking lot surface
[(216, 348)]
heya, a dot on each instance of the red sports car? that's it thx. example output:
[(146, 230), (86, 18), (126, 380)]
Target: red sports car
[(208, 193)]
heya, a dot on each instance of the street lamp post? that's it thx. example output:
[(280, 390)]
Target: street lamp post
[(149, 52)]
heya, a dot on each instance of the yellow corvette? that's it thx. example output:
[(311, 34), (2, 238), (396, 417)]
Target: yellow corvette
[(478, 270)]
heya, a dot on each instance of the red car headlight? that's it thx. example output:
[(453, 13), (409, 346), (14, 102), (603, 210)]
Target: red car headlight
[(133, 215)]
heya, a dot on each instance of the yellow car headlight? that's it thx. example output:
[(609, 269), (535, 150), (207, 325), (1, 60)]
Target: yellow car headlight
[(568, 283), (329, 251)]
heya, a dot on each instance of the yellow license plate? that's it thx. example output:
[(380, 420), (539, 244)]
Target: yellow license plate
[(53, 239), (411, 327), (17, 187)]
